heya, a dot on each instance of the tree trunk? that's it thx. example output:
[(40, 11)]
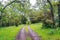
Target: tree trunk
[(52, 15), (59, 12)]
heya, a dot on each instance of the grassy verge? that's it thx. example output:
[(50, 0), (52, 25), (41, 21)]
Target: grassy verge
[(46, 34), (9, 33)]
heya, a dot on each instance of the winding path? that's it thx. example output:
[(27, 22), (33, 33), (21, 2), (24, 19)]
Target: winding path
[(22, 34)]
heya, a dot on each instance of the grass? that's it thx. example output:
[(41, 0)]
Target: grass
[(46, 34), (9, 33)]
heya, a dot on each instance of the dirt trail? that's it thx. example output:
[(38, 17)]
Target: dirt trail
[(32, 34), (21, 35)]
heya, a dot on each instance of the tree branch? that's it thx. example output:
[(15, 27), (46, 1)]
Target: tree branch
[(11, 3)]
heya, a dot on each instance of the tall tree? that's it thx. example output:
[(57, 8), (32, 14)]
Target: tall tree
[(59, 12), (52, 15), (43, 2)]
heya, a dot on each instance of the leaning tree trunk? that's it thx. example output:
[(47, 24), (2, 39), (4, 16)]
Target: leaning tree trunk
[(52, 15), (59, 12)]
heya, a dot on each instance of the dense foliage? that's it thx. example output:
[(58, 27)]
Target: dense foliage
[(18, 12)]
